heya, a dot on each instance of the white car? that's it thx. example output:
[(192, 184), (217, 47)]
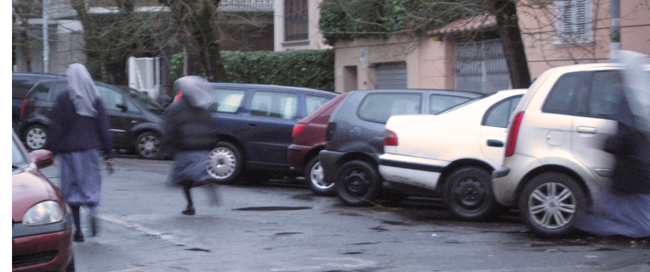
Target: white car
[(453, 153)]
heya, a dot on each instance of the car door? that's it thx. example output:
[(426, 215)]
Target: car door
[(493, 129), (120, 119), (271, 117), (594, 123)]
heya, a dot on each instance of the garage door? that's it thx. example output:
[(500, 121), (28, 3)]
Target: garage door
[(391, 75), (481, 67)]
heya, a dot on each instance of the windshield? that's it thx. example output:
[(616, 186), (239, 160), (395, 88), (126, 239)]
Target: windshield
[(143, 100), (465, 103), (18, 159)]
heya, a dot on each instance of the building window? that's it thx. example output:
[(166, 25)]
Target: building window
[(574, 19), (295, 20)]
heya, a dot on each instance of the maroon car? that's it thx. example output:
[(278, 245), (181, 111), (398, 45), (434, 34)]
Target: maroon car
[(41, 227), (308, 137)]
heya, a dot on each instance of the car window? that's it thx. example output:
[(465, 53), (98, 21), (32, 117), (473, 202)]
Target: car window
[(110, 98), (439, 103), (378, 107), (142, 99), (20, 87), (312, 103), (606, 92), (39, 92), (18, 159), (274, 104), (499, 114), (227, 101), (57, 89), (130, 107), (560, 99)]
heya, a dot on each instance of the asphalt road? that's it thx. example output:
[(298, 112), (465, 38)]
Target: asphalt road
[(282, 226)]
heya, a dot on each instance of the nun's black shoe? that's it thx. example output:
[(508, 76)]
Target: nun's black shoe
[(189, 210), (78, 237)]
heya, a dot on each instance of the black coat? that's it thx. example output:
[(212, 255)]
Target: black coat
[(188, 128)]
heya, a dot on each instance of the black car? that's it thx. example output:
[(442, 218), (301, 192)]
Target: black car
[(355, 135), (136, 124), (21, 83), (255, 123)]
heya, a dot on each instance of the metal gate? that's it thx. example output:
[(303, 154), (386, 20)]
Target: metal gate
[(391, 75), (481, 67)]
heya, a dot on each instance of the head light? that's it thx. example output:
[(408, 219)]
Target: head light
[(46, 212)]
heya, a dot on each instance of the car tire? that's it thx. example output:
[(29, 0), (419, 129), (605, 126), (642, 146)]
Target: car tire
[(357, 183), (226, 163), (70, 266), (549, 202), (147, 145), (468, 194), (315, 179), (36, 137)]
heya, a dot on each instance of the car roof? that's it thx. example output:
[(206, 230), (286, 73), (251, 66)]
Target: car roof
[(267, 87), (437, 91), (35, 75)]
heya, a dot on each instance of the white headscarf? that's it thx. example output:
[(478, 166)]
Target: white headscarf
[(82, 90), (637, 88), (196, 89)]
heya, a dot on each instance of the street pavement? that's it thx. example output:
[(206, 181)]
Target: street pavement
[(282, 226)]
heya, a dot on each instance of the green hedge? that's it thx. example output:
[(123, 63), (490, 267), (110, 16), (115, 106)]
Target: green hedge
[(300, 68)]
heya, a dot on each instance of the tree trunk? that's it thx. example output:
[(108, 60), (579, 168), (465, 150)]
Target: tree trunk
[(513, 46)]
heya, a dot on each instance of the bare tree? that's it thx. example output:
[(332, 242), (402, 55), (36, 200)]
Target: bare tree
[(23, 11)]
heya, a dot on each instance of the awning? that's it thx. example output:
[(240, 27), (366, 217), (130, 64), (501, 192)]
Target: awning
[(473, 23)]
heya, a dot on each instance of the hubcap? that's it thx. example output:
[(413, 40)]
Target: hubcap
[(36, 138), (317, 177), (469, 193), (552, 205), (149, 146), (357, 183), (222, 163)]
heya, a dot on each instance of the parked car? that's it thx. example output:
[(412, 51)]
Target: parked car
[(308, 137), (554, 163), (255, 128), (41, 227), (135, 118), (21, 83), (355, 135), (452, 153)]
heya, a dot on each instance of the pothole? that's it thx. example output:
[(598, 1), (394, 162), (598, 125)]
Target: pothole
[(274, 208)]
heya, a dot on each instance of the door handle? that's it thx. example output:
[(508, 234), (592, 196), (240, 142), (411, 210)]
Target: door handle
[(587, 130), (252, 124), (494, 143)]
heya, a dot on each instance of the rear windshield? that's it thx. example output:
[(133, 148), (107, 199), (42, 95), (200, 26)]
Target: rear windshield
[(464, 104)]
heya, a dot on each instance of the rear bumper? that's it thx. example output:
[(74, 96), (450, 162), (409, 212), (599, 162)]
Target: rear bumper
[(329, 162), (296, 155)]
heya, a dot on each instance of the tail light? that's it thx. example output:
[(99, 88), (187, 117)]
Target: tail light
[(22, 109), (331, 128), (512, 134), (297, 129), (390, 138), (178, 96)]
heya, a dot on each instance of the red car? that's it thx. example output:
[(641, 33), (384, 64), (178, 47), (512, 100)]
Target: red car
[(41, 227), (308, 138)]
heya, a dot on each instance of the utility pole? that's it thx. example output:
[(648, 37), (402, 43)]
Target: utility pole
[(614, 29), (46, 43)]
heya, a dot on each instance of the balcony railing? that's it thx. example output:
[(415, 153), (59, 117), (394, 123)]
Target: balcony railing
[(247, 5)]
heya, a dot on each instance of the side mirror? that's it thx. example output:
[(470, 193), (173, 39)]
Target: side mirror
[(122, 107), (43, 158)]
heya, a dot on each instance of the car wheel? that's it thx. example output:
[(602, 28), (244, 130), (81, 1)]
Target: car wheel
[(226, 163), (357, 183), (468, 194), (70, 266), (315, 178), (36, 137), (549, 202), (147, 145)]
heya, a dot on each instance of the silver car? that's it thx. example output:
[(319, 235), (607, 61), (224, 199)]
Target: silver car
[(554, 163)]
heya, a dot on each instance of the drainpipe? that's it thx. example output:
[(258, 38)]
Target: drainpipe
[(614, 29), (46, 44)]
